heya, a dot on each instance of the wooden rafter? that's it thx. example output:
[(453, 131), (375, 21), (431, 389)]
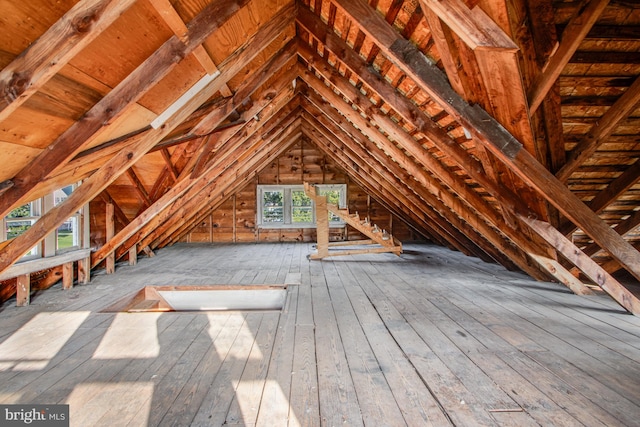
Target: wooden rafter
[(33, 68), (145, 218), (609, 194), (527, 244), (589, 267), (395, 178), (139, 187), (125, 158), (223, 172), (572, 36), (117, 102), (486, 129), (602, 130), (179, 28)]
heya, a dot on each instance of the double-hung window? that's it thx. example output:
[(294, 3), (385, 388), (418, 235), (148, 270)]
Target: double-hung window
[(287, 206), (70, 235)]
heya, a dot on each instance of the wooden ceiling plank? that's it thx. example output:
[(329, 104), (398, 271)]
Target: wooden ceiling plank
[(160, 205), (245, 89), (118, 101), (575, 32), (125, 158), (488, 131), (601, 130), (33, 68), (609, 194), (589, 267), (179, 28)]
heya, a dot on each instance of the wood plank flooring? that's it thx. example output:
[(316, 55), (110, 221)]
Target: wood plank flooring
[(428, 338)]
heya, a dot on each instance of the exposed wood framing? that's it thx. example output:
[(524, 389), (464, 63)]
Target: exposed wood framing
[(493, 136), (118, 101), (31, 70)]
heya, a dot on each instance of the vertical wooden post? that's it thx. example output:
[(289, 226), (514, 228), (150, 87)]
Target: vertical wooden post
[(23, 290), (110, 232), (84, 270), (67, 275), (235, 218), (133, 255), (322, 230)]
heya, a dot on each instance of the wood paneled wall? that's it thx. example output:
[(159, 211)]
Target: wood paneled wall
[(235, 219)]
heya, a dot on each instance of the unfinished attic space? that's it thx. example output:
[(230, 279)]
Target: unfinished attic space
[(320, 212)]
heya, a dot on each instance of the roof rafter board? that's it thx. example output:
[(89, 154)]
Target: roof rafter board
[(390, 201), (608, 195), (412, 147), (448, 226), (589, 267), (409, 111), (169, 198), (390, 151), (236, 138), (233, 185), (440, 200), (377, 160), (33, 68), (259, 152), (117, 102), (523, 246), (125, 158), (488, 131), (365, 179), (189, 203)]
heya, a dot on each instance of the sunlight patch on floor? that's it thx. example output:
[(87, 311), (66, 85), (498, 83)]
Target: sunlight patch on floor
[(34, 345), (130, 336), (112, 403)]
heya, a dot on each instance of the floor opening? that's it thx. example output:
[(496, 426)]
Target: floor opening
[(203, 298)]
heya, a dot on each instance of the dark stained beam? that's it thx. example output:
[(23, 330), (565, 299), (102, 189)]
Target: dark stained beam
[(575, 32), (488, 131), (600, 131)]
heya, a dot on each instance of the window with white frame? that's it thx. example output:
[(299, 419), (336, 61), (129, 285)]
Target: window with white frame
[(68, 236), (287, 206), (68, 233), (20, 220)]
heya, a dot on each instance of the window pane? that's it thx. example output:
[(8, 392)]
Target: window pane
[(333, 197), (68, 234), (272, 206), (301, 208), (21, 212)]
